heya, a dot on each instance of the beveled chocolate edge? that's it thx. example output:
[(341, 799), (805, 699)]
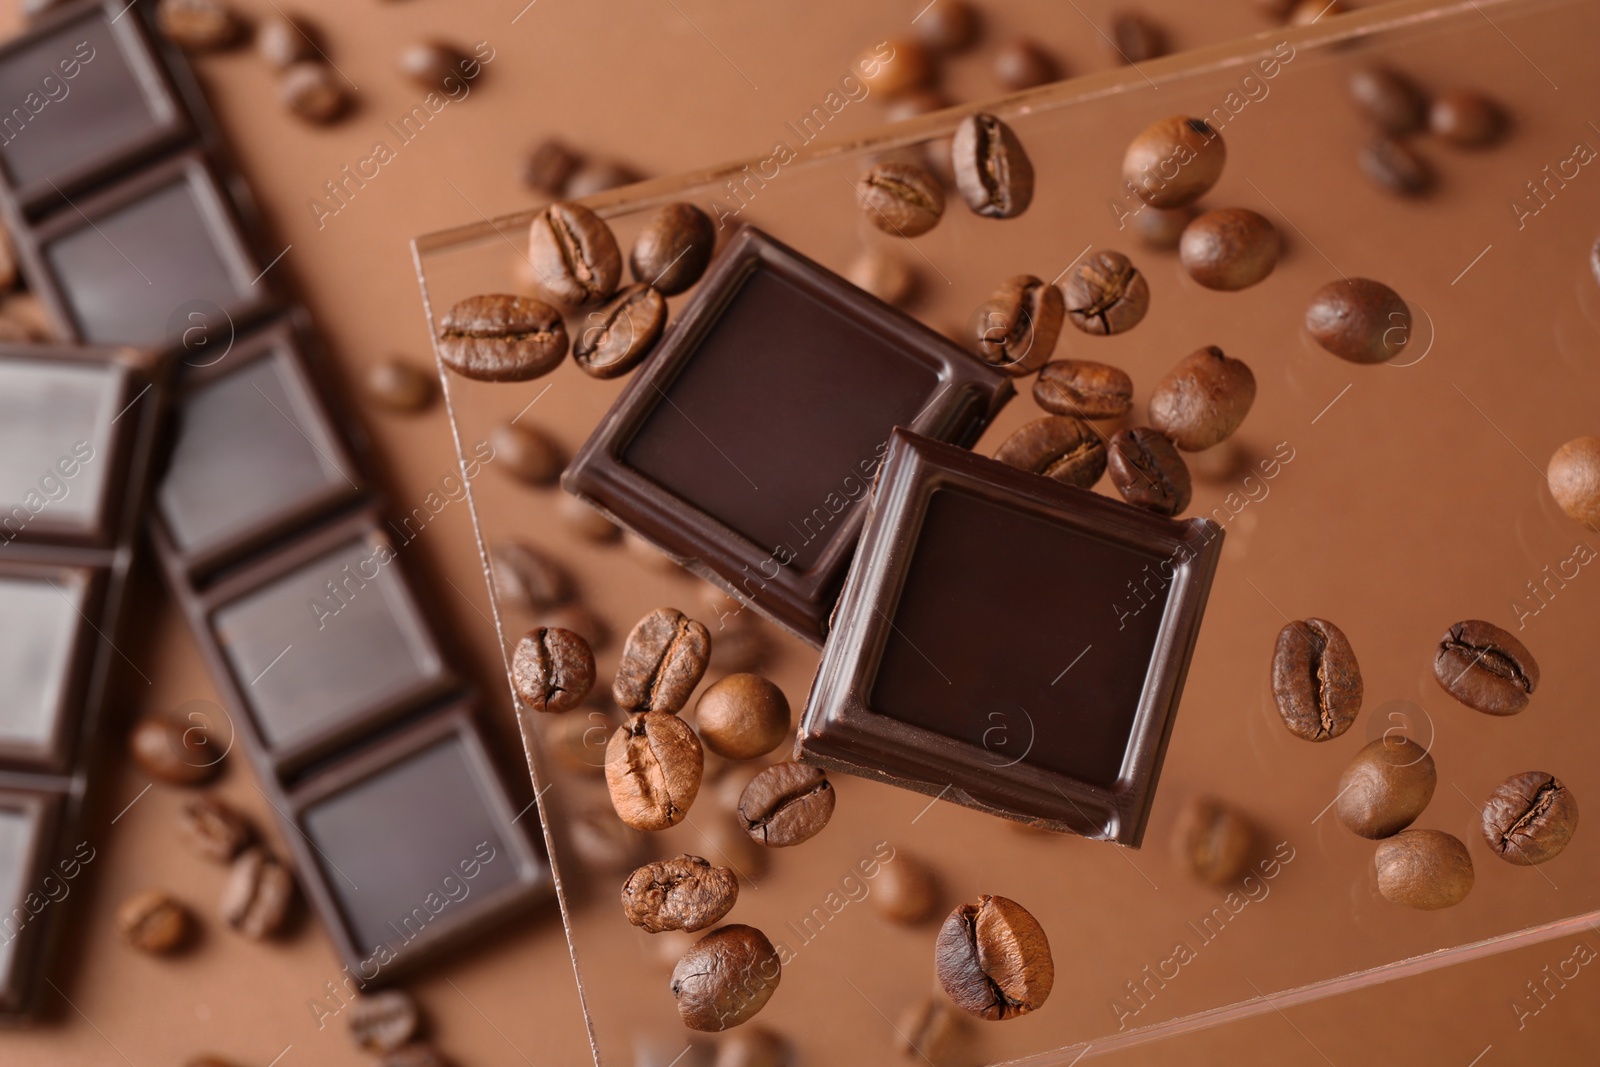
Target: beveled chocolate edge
[(968, 396), (535, 882), (838, 730), (218, 209), (19, 985), (139, 45), (55, 756)]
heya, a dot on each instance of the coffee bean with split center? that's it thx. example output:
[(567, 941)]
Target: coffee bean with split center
[(993, 960), (1386, 787), (1529, 818), (1202, 400), (725, 978), (1083, 389), (1424, 869), (213, 829), (686, 893), (1105, 294), (502, 338), (1148, 471), (1396, 166), (1212, 841), (1057, 446), (154, 921), (673, 248), (258, 895), (574, 254), (1485, 668), (901, 199), (552, 669), (1316, 680), (616, 339), (662, 661), (383, 1021), (1016, 329), (653, 768), (786, 804), (527, 580), (992, 170)]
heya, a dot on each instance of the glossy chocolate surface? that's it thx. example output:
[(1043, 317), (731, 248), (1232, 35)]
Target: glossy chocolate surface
[(45, 649), (27, 825)]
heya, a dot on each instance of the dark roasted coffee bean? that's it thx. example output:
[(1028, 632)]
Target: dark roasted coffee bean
[(1203, 399), (1395, 104), (1396, 166), (1134, 38), (1105, 294), (753, 1046), (1212, 841), (1485, 668), (527, 454), (930, 1032), (311, 91), (416, 1054), (1529, 818), (1174, 161), (662, 661), (574, 254), (582, 519), (1059, 447), (901, 199), (283, 41), (742, 716), (616, 339), (383, 1021), (433, 64), (885, 276), (1423, 869), (598, 176), (993, 960), (1022, 64), (1574, 479), (1466, 118), (199, 25), (786, 804), (1386, 787), (1162, 228), (653, 768), (502, 338), (1229, 249), (672, 250), (552, 670), (258, 895), (154, 922), (895, 67), (527, 580), (1148, 471), (214, 830), (548, 166), (1360, 320), (1083, 389), (992, 170), (175, 750), (1016, 329), (399, 386), (686, 893), (1316, 681), (726, 978), (906, 890), (947, 27)]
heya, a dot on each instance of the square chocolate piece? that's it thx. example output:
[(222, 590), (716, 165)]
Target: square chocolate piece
[(47, 644), (1010, 643), (746, 444), (27, 828)]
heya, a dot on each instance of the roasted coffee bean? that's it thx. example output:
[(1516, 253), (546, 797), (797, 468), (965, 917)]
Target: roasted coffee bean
[(742, 716), (1316, 681), (929, 1032), (1485, 668), (616, 339), (1423, 869), (154, 922), (527, 580), (1203, 399), (583, 520), (726, 978), (552, 670), (992, 170), (580, 620), (906, 890), (673, 249), (1148, 471), (548, 166), (283, 41), (786, 804), (1174, 161), (1134, 38), (901, 199), (885, 276), (214, 830), (1394, 165), (574, 254), (399, 386), (527, 454), (1395, 104), (1229, 249), (1212, 841), (1016, 329), (752, 1046), (1105, 294), (1386, 787), (598, 176), (434, 64), (947, 27), (383, 1021), (686, 893), (662, 661), (1466, 118), (1022, 64), (993, 959), (895, 67), (1083, 389), (310, 90), (653, 768), (1574, 479), (1059, 447), (1529, 818), (416, 1054), (1162, 228), (1360, 320), (601, 842), (258, 894), (502, 338), (199, 25), (174, 750)]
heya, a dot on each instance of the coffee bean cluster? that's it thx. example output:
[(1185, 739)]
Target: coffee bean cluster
[(1398, 110), (554, 169)]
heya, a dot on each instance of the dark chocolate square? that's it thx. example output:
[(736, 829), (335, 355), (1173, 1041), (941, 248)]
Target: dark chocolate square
[(1010, 643), (47, 644), (745, 446), (27, 825)]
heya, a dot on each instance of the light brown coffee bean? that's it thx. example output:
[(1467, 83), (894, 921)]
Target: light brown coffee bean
[(501, 338), (1021, 63), (1059, 447), (662, 661), (993, 960), (1424, 869), (258, 895), (527, 580), (1016, 329), (574, 254), (1393, 101), (885, 276), (527, 453), (895, 67), (1485, 668), (1386, 787), (383, 1021), (1466, 119), (214, 830), (930, 1032), (726, 978), (1229, 249), (311, 91), (1359, 319), (686, 893), (1148, 471), (1135, 38), (742, 716), (992, 170), (786, 804), (1174, 161), (1529, 818), (1316, 680), (616, 339), (901, 199), (948, 27), (174, 750), (1212, 841), (399, 386), (653, 768), (552, 670), (1395, 166), (1083, 389), (1574, 479), (199, 25), (1105, 294), (906, 890), (1203, 399), (673, 249), (434, 65), (154, 921)]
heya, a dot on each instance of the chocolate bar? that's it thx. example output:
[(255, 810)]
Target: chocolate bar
[(1051, 704)]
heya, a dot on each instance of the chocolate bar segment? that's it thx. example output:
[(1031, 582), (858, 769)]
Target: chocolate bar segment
[(27, 838), (46, 647), (1051, 703), (745, 445)]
